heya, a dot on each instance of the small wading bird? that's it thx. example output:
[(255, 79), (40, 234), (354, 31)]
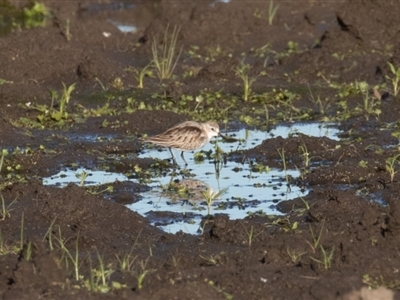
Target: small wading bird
[(186, 136)]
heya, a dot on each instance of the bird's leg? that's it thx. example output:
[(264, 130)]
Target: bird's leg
[(173, 158), (184, 158)]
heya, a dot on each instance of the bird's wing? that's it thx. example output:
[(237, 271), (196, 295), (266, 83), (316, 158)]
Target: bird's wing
[(185, 136)]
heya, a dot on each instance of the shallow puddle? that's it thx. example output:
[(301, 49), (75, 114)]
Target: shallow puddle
[(125, 28), (246, 192), (83, 177), (177, 200)]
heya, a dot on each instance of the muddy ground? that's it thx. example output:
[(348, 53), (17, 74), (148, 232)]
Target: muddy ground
[(317, 50)]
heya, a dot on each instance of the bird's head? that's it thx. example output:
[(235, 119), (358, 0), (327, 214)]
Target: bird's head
[(212, 129)]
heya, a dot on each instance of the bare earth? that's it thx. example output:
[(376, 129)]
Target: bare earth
[(345, 41)]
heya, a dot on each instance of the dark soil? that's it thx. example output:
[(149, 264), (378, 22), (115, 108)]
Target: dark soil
[(346, 41)]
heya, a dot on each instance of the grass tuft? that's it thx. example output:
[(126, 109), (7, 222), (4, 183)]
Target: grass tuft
[(164, 54)]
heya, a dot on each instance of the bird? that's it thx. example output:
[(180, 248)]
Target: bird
[(186, 136)]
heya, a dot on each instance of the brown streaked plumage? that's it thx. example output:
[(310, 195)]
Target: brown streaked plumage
[(186, 136)]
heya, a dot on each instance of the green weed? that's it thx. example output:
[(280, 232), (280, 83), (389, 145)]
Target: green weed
[(306, 204), (117, 84), (390, 166), (315, 239), (272, 10), (3, 81), (327, 258), (68, 256), (294, 255), (3, 247), (305, 154), (285, 224), (99, 278), (215, 51), (282, 155), (6, 249), (35, 15), (257, 13), (28, 251), (211, 260), (282, 102), (67, 31), (363, 164), (82, 177), (370, 104), (2, 244), (242, 71), (394, 79), (140, 276), (322, 105), (49, 113), (3, 154), (139, 74), (63, 102), (164, 55), (49, 235), (5, 210), (250, 234), (210, 196), (212, 52), (259, 168), (126, 263), (262, 52), (219, 290)]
